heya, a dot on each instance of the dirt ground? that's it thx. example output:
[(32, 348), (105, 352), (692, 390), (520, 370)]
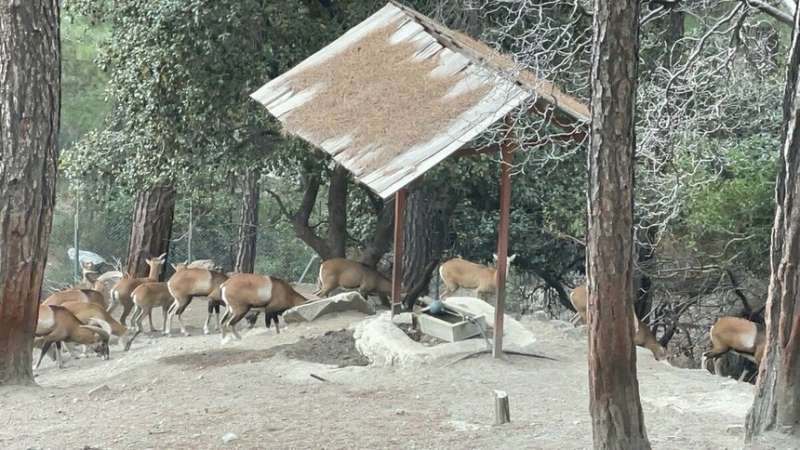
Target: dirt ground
[(189, 392)]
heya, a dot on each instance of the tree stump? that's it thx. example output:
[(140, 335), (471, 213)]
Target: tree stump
[(502, 413)]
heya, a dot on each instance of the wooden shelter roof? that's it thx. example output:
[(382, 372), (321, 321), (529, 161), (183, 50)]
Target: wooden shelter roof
[(398, 93)]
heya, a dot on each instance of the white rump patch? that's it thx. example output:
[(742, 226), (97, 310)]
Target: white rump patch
[(204, 283), (265, 290), (748, 339), (46, 322)]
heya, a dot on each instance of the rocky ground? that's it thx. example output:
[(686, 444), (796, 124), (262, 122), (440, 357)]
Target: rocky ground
[(273, 391)]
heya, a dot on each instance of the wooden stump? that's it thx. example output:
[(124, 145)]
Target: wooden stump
[(502, 414)]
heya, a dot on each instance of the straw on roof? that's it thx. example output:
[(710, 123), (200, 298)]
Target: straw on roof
[(398, 93)]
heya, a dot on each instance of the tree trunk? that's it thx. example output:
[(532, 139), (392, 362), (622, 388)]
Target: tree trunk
[(381, 237), (426, 221), (248, 228), (30, 94), (337, 212), (617, 419), (152, 227), (335, 245), (777, 402)]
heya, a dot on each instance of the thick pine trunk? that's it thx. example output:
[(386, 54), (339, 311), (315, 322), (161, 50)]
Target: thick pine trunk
[(335, 245), (425, 231), (30, 93), (337, 212), (248, 228), (381, 237), (617, 419), (152, 227), (777, 402)]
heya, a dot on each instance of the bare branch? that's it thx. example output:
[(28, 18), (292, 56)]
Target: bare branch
[(279, 201), (772, 11)]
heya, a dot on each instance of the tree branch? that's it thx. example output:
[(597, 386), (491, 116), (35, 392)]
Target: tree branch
[(300, 219), (736, 290), (281, 206), (303, 215), (771, 11)]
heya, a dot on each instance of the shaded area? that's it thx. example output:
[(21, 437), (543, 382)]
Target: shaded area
[(334, 347), (418, 336), (222, 358)]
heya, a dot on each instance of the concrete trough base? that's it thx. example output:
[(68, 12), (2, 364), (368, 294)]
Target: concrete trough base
[(451, 325), (385, 344)]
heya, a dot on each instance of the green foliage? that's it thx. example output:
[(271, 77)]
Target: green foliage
[(83, 104), (731, 216), (178, 76), (548, 204)]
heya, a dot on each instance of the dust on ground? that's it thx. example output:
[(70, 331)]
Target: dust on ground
[(189, 392), (336, 348)]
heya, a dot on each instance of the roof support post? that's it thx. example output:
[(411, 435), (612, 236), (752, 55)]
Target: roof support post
[(399, 247), (507, 148)]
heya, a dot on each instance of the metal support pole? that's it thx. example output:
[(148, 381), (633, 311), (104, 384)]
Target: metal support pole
[(189, 234), (308, 266), (76, 237), (502, 245), (399, 247)]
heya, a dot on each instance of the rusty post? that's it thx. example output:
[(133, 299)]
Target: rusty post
[(399, 247), (502, 243)]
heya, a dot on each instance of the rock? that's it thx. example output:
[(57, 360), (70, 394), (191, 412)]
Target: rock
[(576, 332), (348, 301), (562, 324), (102, 389), (74, 400), (541, 316), (229, 437), (404, 318), (399, 412), (735, 429), (385, 344), (515, 335)]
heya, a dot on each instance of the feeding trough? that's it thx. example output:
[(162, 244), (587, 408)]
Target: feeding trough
[(452, 324)]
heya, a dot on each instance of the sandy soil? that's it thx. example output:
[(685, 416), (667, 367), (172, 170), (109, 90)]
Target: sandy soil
[(188, 392)]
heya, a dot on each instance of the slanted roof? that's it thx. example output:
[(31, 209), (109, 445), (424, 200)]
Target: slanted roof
[(398, 93)]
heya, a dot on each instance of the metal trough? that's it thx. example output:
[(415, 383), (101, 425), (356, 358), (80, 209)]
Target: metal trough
[(453, 325)]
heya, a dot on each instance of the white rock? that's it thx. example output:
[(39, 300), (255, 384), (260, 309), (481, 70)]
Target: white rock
[(347, 301), (98, 390), (541, 316), (384, 344), (515, 335), (229, 437), (734, 429), (562, 324), (576, 333)]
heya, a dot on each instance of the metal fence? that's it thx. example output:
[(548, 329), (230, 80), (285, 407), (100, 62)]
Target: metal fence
[(104, 229)]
